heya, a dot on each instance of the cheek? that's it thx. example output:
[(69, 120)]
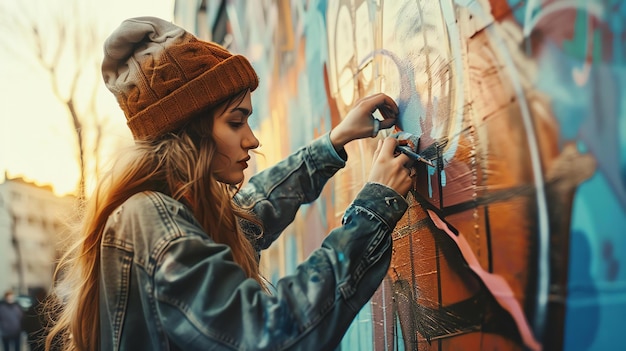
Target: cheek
[(220, 160), (225, 150), (224, 155)]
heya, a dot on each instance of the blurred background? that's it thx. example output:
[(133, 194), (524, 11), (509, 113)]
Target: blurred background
[(520, 104)]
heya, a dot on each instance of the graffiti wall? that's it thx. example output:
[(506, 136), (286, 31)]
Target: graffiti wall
[(515, 240)]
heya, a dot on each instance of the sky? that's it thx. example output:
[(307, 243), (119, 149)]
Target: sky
[(36, 138)]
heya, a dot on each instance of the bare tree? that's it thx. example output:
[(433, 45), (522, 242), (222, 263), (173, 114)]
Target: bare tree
[(66, 42)]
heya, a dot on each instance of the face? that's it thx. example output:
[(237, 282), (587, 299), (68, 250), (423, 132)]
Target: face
[(234, 139), (9, 297)]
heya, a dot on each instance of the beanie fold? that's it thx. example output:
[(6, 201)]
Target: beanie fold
[(207, 90)]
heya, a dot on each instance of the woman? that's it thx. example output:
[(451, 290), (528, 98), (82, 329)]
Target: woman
[(170, 240)]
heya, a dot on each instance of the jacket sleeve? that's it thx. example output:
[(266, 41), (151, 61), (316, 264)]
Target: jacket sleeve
[(205, 302), (274, 195)]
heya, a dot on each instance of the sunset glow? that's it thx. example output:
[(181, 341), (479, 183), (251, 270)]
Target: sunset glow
[(37, 142)]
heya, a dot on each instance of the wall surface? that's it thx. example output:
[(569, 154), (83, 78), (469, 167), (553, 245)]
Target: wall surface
[(515, 240)]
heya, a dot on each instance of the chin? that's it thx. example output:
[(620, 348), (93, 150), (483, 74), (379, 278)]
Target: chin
[(230, 180)]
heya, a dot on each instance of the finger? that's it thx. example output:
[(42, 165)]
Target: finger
[(389, 120), (389, 146), (381, 101), (377, 151), (408, 172), (370, 103), (389, 111), (388, 104), (404, 160), (389, 149)]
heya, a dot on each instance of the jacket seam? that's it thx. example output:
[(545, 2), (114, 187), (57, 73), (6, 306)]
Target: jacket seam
[(172, 229), (119, 317), (173, 232), (347, 288)]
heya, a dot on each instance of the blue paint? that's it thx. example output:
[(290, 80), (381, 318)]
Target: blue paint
[(399, 341), (571, 104), (583, 299), (412, 112), (442, 178), (431, 173), (519, 8), (596, 304), (312, 78), (360, 333), (291, 253), (597, 214), (596, 123), (581, 147)]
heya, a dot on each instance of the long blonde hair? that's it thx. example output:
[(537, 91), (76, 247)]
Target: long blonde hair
[(178, 165)]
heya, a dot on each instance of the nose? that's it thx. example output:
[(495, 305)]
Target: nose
[(250, 141)]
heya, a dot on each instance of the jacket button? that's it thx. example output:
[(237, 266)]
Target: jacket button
[(392, 201)]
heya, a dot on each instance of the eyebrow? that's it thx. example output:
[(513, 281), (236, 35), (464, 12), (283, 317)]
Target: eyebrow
[(246, 112)]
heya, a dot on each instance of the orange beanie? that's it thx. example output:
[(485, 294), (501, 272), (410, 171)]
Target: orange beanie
[(161, 75)]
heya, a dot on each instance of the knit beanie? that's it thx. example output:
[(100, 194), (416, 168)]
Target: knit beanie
[(161, 75)]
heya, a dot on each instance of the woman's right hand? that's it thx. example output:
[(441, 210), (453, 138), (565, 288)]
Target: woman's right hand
[(391, 170)]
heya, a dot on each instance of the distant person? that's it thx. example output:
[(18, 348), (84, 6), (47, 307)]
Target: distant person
[(11, 322), (33, 321), (170, 241)]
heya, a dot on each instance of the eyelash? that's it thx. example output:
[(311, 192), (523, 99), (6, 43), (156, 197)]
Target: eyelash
[(236, 124)]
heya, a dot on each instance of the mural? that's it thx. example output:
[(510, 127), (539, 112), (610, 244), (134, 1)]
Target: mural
[(515, 240)]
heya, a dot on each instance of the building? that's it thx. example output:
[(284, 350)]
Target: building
[(33, 225)]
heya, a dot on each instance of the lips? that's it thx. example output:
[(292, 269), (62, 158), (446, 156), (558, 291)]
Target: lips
[(244, 162)]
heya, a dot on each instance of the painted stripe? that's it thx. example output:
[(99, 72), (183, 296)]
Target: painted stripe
[(497, 285)]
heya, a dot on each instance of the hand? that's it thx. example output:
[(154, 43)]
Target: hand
[(391, 170), (359, 122)]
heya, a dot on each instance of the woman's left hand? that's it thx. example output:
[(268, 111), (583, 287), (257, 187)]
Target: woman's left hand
[(360, 123)]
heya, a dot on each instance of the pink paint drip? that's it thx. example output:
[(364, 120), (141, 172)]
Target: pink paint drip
[(498, 287)]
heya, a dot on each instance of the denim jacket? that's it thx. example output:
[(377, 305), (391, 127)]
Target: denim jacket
[(165, 285)]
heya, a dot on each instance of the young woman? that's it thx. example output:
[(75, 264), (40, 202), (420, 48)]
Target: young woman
[(170, 242)]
